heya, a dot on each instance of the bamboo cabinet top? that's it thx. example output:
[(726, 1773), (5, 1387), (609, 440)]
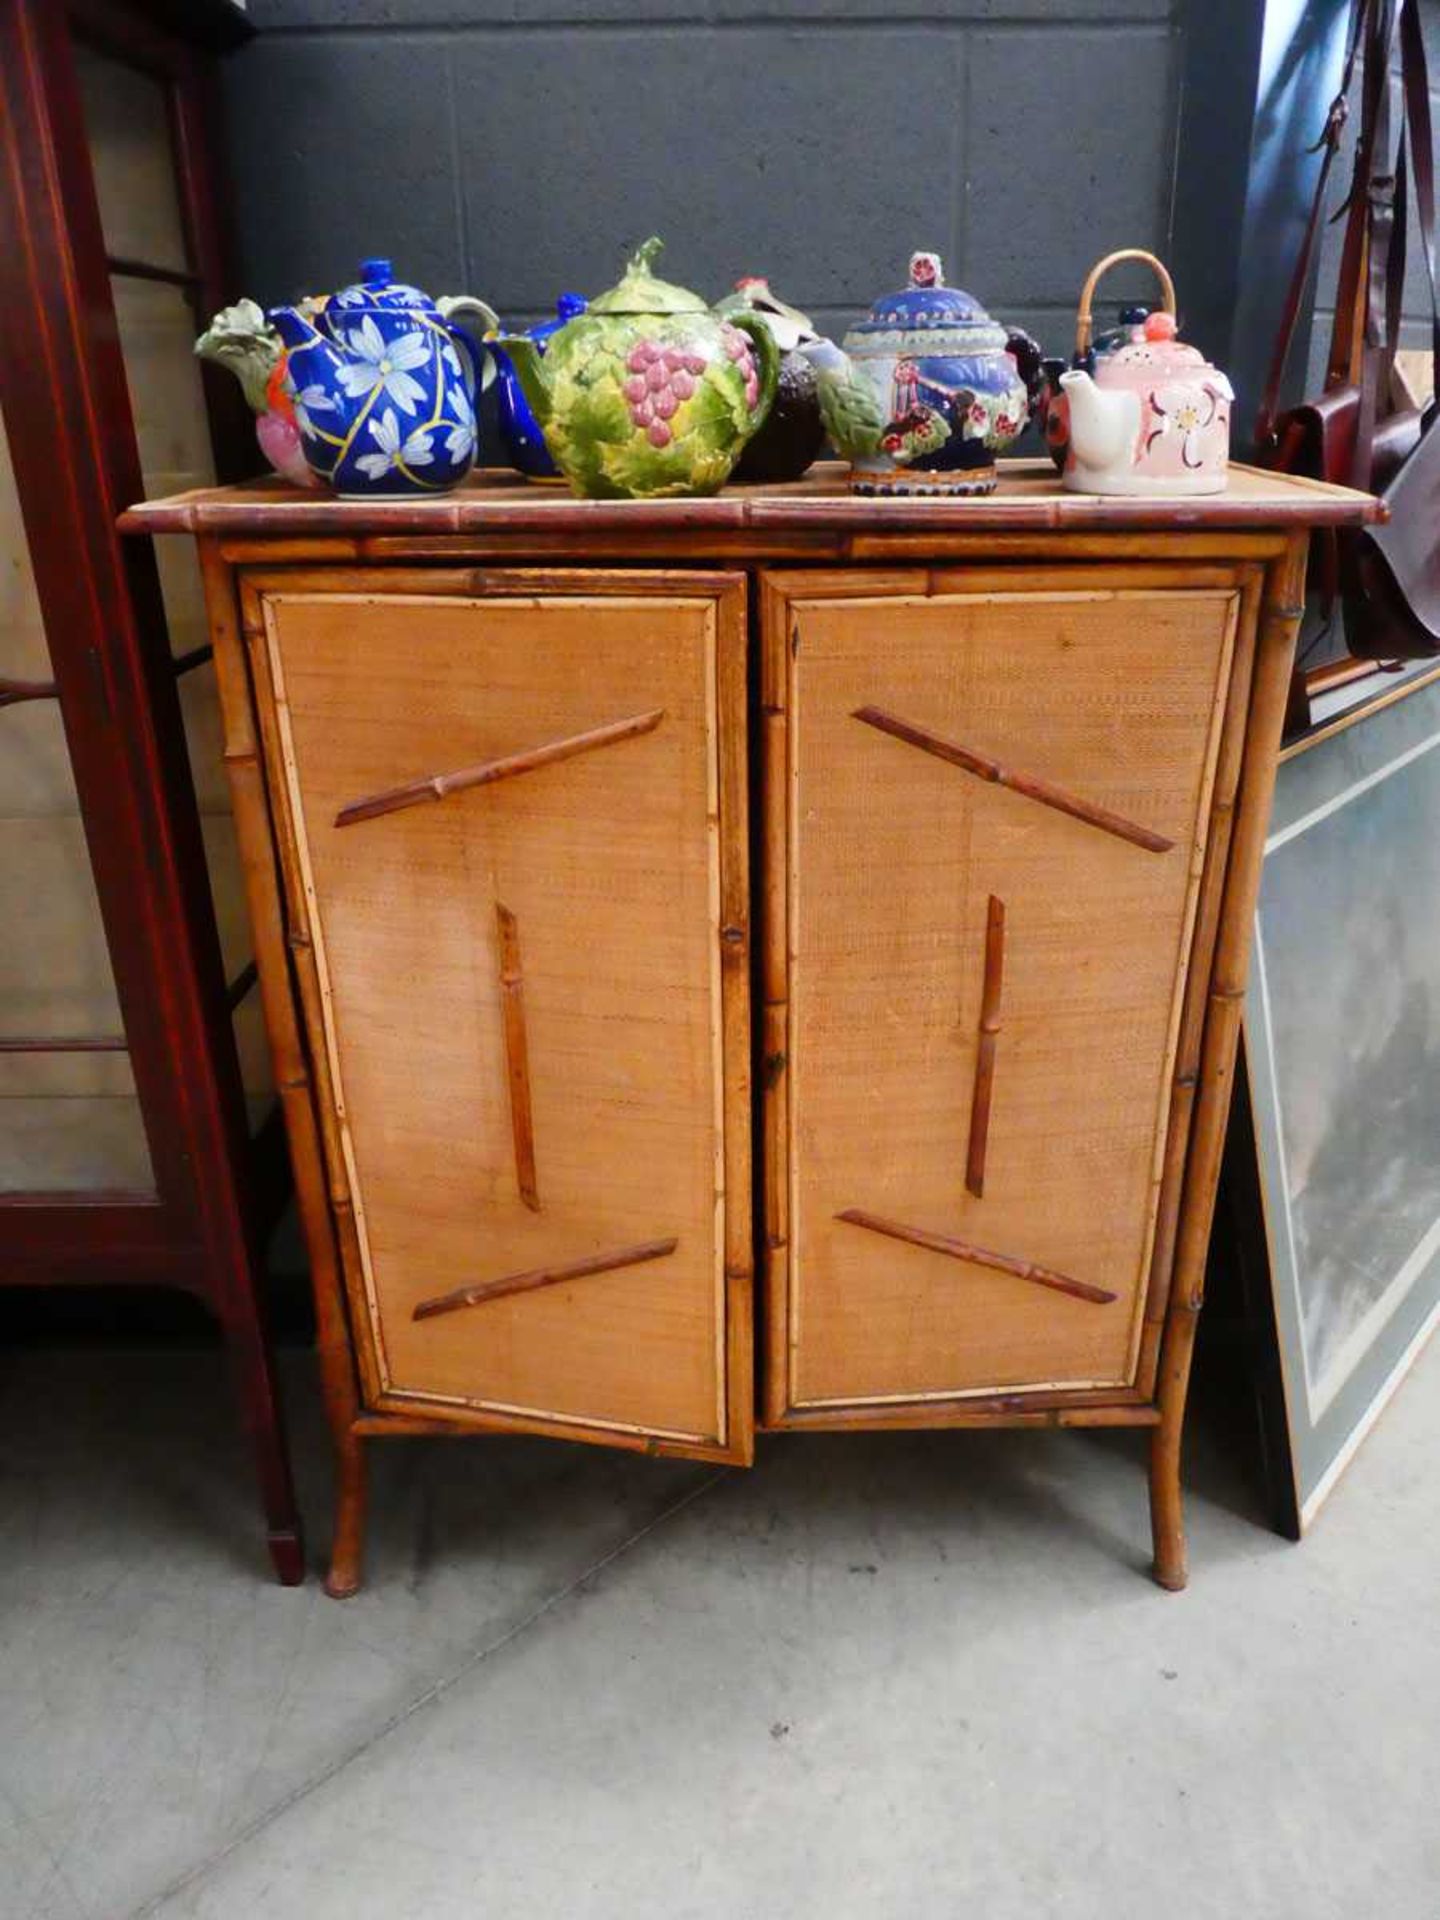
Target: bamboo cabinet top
[(818, 509)]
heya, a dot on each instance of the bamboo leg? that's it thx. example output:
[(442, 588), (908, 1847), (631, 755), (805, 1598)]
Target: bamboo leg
[(347, 1550), (1280, 620), (292, 1073)]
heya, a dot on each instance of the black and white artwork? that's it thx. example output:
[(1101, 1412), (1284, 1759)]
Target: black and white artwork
[(1343, 1025)]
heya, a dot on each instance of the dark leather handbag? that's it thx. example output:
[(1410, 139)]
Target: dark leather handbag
[(1389, 574)]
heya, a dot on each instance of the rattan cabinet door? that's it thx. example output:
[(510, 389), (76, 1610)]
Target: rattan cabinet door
[(996, 806), (515, 821)]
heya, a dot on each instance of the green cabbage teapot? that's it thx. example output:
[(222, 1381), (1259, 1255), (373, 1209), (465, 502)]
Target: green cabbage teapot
[(648, 392)]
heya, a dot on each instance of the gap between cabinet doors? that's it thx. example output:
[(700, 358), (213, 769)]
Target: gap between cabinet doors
[(1219, 590), (726, 829)]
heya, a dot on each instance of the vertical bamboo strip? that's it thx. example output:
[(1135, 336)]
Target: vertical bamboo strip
[(774, 985), (292, 1077), (306, 972), (733, 792), (1202, 949), (992, 989), (517, 1056), (1280, 619)]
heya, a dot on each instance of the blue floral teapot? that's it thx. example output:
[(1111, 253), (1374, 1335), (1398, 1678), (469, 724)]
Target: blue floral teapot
[(384, 385)]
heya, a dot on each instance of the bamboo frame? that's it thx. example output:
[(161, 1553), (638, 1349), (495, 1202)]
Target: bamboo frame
[(1281, 612), (1185, 1071)]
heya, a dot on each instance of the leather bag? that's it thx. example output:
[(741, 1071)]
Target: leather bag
[(1388, 575)]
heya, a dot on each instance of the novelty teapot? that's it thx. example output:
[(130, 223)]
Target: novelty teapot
[(927, 390), (383, 385), (648, 393), (1139, 411)]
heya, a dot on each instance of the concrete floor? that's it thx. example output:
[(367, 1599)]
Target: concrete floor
[(908, 1675)]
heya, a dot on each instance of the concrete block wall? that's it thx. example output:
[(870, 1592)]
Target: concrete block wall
[(514, 148)]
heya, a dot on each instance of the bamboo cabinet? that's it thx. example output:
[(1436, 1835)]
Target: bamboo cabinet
[(914, 843)]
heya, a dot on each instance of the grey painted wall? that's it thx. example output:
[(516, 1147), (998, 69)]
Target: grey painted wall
[(513, 148)]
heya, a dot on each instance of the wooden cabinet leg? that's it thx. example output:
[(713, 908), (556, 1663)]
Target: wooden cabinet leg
[(348, 1551), (252, 1365), (1167, 1517)]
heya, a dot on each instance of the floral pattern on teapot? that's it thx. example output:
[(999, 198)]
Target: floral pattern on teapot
[(383, 387)]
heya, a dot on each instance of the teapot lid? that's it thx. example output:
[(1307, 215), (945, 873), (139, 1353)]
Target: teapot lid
[(925, 302), (378, 287), (639, 291), (1147, 348), (568, 307)]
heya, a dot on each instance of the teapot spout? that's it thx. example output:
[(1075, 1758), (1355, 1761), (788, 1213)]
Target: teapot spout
[(528, 363), (1103, 425), (853, 411), (296, 328)]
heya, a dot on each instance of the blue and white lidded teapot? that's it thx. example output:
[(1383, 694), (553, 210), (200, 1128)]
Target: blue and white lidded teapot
[(384, 385)]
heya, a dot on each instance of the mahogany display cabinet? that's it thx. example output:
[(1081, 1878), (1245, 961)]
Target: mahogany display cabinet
[(764, 962), (139, 1139)]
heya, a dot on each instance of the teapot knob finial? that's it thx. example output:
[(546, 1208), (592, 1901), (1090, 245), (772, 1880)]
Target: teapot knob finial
[(1161, 326), (926, 270), (376, 273)]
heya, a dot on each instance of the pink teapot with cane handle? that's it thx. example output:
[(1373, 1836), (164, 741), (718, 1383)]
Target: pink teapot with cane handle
[(1139, 411)]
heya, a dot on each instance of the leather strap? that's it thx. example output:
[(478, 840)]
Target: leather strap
[(1347, 337), (1384, 242), (1330, 137), (1416, 81)]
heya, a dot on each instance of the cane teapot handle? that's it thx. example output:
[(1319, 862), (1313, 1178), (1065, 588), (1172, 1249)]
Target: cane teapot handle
[(1084, 323)]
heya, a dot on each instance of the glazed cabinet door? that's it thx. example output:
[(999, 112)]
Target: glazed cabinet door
[(512, 813), (987, 808)]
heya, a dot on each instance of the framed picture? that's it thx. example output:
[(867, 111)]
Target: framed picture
[(1343, 1052)]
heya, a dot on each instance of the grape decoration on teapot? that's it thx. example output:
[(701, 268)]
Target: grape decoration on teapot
[(647, 394), (927, 391)]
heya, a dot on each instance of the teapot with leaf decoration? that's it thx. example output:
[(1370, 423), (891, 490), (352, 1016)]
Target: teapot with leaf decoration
[(1138, 411), (647, 393), (926, 391)]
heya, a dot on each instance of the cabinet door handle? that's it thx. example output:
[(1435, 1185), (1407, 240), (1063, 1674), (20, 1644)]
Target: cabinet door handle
[(978, 1256), (990, 993), (517, 1056), (537, 1277), (436, 786), (1028, 784)]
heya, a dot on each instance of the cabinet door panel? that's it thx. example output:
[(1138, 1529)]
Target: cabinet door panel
[(1001, 785), (519, 986)]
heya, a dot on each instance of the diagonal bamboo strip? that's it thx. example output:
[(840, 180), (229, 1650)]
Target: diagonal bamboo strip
[(517, 1056), (978, 1256), (990, 993), (1030, 785), (438, 785), (510, 1283)]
